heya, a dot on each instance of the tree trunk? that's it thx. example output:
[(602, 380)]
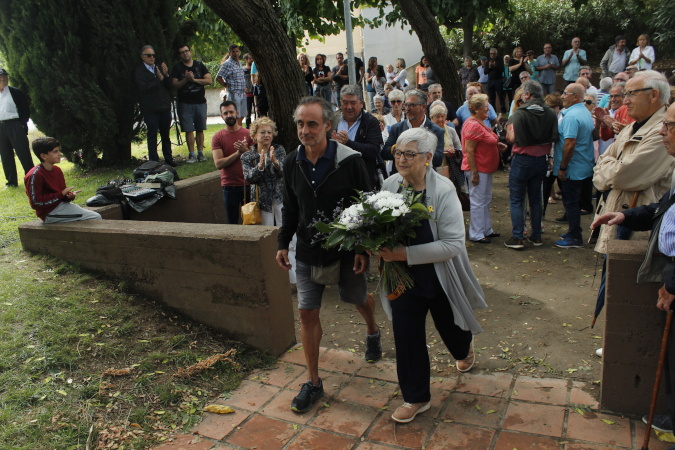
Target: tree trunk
[(468, 22), (255, 22), (424, 23)]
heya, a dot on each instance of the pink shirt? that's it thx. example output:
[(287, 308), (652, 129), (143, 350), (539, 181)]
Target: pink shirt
[(232, 175), (485, 153)]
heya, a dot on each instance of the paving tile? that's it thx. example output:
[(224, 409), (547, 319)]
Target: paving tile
[(495, 385), (580, 396), (574, 445), (458, 436), (473, 409), (447, 382), (371, 446), (280, 407), (320, 440), (281, 375), (217, 426), (346, 418), (341, 361), (382, 370), (654, 442), (439, 398), (406, 435), (333, 382), (590, 427), (366, 391), (536, 419), (262, 432), (541, 390), (250, 395), (187, 442), (296, 354), (509, 440)]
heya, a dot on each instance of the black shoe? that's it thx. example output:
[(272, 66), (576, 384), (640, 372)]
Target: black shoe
[(309, 394), (493, 235), (482, 241), (562, 219), (171, 163), (373, 348), (661, 423)]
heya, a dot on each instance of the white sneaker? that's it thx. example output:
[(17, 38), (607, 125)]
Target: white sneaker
[(598, 352), (191, 160)]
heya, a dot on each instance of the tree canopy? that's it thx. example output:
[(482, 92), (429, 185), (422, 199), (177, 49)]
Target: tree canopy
[(75, 59)]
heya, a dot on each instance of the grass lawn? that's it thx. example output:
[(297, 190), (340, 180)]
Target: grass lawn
[(85, 364)]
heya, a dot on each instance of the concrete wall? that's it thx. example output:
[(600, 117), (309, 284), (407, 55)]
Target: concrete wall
[(633, 332), (198, 200), (222, 275)]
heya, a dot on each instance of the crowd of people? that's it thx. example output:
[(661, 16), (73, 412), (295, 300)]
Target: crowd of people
[(618, 138)]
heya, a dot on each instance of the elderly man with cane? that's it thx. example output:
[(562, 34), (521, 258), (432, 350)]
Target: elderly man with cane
[(660, 218)]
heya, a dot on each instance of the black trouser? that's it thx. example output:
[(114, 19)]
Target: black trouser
[(409, 313), (13, 138), (160, 121), (586, 198), (495, 88), (249, 106)]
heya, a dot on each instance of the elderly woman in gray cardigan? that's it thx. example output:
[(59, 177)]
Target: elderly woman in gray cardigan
[(439, 265)]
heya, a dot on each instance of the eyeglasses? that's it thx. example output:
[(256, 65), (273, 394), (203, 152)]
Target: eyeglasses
[(409, 155), (525, 77), (668, 125), (149, 55), (395, 101), (408, 105), (616, 96), (629, 94), (568, 93), (184, 51)]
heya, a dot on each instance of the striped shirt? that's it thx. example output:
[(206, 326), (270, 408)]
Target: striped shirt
[(667, 232), (233, 75)]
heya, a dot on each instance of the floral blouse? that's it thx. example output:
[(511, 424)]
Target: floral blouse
[(269, 180)]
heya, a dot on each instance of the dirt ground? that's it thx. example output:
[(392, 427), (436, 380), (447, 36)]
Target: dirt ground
[(540, 305)]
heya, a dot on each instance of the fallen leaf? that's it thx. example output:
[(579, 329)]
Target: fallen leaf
[(608, 422), (219, 409)]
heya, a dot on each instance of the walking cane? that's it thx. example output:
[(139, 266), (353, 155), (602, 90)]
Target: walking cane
[(657, 381)]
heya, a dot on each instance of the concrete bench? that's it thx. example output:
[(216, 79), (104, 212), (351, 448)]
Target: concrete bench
[(221, 275), (633, 332)]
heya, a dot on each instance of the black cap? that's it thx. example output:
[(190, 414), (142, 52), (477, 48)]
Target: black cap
[(3, 72)]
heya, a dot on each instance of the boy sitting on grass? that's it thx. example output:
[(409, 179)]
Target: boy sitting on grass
[(46, 187)]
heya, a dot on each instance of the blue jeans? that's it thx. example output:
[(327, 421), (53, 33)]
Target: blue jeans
[(233, 196), (571, 192), (526, 176), (161, 122)]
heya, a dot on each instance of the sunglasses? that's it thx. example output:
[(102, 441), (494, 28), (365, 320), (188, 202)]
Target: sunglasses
[(149, 55), (588, 102)]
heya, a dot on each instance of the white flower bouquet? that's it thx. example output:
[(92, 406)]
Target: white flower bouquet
[(376, 220)]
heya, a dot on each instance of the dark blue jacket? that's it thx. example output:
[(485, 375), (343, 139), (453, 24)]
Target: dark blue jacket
[(398, 128)]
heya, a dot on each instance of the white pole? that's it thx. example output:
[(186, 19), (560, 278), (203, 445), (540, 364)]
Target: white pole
[(350, 43)]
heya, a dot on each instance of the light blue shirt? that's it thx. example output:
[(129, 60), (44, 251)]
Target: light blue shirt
[(572, 68), (577, 124), (463, 113), (351, 131), (150, 68), (547, 76), (667, 232)]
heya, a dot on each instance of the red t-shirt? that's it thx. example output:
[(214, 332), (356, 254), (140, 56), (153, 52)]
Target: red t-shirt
[(44, 189), (232, 175), (485, 153)]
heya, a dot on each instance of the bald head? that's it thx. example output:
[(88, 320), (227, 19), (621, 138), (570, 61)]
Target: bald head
[(577, 89), (584, 82)]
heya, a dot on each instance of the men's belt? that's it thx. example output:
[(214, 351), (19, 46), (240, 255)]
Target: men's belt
[(9, 120)]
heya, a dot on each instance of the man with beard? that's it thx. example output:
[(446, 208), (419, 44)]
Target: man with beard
[(189, 78), (360, 131), (228, 145)]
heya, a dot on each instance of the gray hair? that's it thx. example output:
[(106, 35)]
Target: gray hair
[(436, 85), (437, 103), (144, 48), (584, 68), (605, 83), (621, 84), (655, 80), (379, 97), (533, 88), (396, 94), (593, 96), (437, 111), (421, 95), (327, 113), (426, 141), (351, 89)]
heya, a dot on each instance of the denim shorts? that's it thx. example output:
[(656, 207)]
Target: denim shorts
[(192, 117), (352, 288)]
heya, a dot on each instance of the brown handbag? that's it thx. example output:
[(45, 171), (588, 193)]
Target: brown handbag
[(250, 212)]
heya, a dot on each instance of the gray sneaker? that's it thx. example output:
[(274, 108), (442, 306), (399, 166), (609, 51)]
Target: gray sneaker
[(191, 160), (201, 158)]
